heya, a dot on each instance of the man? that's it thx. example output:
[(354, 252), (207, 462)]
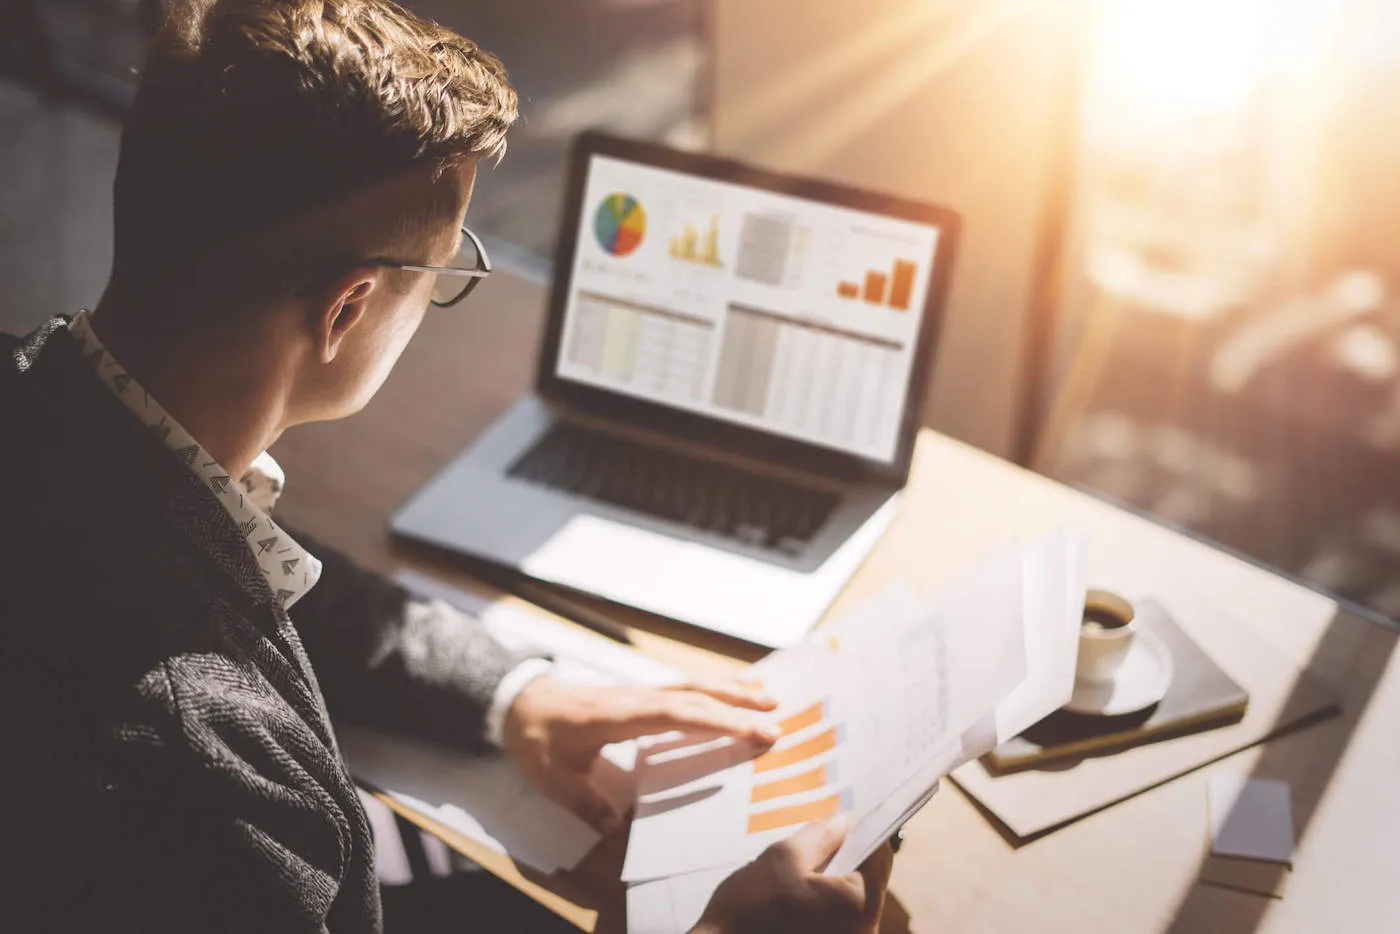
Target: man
[(291, 174)]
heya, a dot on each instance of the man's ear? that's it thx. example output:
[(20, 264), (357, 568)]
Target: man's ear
[(341, 306)]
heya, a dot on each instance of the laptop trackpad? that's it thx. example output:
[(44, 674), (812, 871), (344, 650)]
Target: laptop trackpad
[(607, 555)]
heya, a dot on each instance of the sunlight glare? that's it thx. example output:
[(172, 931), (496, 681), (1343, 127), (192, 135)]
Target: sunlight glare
[(1178, 59)]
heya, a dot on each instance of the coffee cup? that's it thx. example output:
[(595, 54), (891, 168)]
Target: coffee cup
[(1105, 636)]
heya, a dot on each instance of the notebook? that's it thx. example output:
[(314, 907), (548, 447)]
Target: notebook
[(1202, 696), (1283, 697)]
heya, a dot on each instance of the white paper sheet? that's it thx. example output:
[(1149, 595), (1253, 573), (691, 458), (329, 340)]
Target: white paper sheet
[(674, 905), (900, 688), (903, 691), (1054, 587), (1053, 599), (1040, 587), (485, 797)]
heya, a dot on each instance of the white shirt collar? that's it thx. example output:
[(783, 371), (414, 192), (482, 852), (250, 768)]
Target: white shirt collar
[(290, 569)]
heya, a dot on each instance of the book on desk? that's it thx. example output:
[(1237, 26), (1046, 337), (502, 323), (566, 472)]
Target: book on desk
[(1202, 696)]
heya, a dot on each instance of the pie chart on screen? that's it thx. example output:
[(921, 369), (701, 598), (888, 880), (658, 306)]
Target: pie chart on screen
[(620, 224)]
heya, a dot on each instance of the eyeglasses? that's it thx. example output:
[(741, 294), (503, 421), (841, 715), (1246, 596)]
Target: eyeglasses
[(456, 281)]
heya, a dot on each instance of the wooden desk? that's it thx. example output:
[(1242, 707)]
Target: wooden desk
[(1131, 868)]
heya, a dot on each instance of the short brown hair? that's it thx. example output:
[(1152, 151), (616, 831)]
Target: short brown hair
[(250, 113)]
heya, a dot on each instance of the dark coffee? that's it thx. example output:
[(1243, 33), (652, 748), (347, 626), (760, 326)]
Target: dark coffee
[(1103, 618)]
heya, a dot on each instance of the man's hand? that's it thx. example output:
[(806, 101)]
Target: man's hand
[(783, 890), (555, 729)]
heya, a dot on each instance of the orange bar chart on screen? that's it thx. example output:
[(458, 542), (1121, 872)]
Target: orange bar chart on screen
[(902, 288), (875, 287)]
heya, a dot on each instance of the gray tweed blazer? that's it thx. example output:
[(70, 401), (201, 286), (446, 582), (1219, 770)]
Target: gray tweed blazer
[(168, 761)]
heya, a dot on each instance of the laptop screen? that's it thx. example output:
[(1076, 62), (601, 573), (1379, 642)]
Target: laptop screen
[(769, 311)]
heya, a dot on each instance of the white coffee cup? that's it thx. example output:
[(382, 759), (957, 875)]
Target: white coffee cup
[(1105, 636)]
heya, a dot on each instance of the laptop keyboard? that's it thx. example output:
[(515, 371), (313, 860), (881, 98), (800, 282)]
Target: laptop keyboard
[(716, 498)]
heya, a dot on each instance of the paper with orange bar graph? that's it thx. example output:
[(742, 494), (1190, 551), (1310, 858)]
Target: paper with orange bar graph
[(875, 708)]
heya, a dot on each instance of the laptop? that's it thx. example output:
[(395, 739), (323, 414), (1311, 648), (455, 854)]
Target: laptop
[(727, 395)]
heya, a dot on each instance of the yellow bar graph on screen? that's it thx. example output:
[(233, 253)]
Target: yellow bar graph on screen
[(800, 813), (824, 741), (688, 246)]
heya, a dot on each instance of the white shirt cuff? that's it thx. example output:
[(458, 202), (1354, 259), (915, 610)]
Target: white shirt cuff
[(515, 681)]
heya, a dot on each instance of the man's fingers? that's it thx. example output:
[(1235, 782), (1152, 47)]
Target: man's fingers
[(735, 693), (690, 712), (581, 796), (862, 893), (876, 872), (812, 847)]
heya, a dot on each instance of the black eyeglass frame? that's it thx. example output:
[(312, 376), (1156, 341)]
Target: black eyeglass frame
[(474, 275)]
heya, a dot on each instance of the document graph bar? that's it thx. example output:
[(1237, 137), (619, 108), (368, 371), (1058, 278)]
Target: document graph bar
[(803, 719), (875, 287), (778, 758), (902, 289), (847, 290), (819, 777), (798, 813)]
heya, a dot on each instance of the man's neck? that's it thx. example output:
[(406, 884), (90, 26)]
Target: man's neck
[(227, 396)]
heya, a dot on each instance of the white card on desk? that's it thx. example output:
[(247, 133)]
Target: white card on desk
[(1252, 818)]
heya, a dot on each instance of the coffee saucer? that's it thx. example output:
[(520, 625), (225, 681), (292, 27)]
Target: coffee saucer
[(1141, 680)]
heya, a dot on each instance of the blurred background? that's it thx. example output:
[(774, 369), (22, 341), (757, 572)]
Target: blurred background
[(1178, 285)]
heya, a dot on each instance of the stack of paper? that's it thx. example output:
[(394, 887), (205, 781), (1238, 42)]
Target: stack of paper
[(874, 710), (484, 797)]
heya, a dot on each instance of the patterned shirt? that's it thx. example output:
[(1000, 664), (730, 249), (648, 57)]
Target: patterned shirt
[(290, 569)]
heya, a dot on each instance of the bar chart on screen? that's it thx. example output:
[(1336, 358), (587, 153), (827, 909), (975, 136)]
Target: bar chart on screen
[(893, 289), (693, 246)]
